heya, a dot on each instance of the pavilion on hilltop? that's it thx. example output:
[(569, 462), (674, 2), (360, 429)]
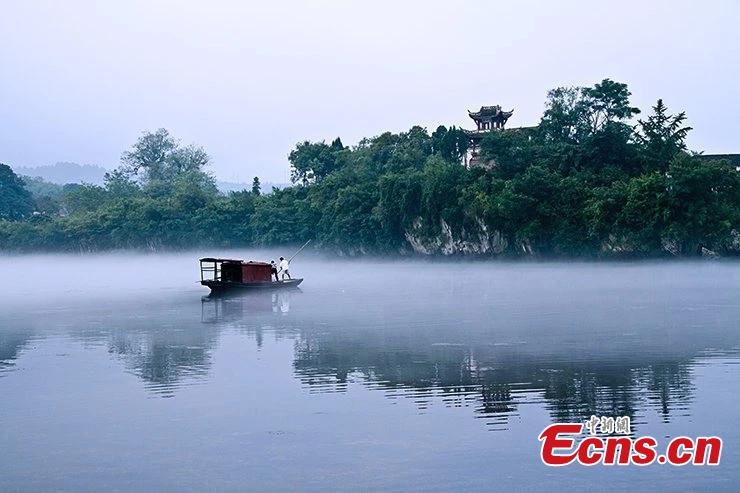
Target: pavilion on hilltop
[(487, 119)]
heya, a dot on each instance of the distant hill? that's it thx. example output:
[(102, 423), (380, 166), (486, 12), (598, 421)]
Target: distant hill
[(65, 172)]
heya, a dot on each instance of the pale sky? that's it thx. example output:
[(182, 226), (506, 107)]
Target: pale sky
[(80, 80)]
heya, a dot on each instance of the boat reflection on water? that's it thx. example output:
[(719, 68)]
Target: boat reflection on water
[(239, 306)]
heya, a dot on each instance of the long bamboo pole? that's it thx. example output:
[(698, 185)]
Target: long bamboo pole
[(299, 251)]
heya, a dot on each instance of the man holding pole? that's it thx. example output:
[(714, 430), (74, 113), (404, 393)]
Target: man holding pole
[(284, 264), (283, 267)]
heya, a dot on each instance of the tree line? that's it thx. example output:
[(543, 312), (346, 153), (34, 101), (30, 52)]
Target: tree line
[(593, 178)]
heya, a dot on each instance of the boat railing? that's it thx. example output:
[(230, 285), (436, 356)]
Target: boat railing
[(210, 270)]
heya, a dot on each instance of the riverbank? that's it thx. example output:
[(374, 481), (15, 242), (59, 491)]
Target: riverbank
[(562, 189)]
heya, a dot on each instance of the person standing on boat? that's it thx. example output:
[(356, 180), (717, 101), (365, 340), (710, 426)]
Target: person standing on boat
[(273, 270), (284, 264)]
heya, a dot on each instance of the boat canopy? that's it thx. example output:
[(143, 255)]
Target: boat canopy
[(234, 270), (212, 259)]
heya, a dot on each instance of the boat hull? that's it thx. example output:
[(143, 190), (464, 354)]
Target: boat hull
[(228, 286)]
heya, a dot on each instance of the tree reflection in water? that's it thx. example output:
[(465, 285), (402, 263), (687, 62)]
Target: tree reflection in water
[(165, 358), (12, 342), (492, 372), (492, 368), (494, 380)]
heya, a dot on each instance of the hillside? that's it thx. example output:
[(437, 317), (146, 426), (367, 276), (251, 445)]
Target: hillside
[(65, 172)]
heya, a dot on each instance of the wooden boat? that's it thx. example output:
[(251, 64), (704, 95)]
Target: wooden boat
[(224, 275)]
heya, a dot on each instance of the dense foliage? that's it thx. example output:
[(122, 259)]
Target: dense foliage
[(15, 200), (585, 182)]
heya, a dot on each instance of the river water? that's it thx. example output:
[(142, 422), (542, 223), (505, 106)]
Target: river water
[(117, 374)]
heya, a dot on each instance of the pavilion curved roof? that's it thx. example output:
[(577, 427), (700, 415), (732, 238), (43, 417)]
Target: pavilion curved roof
[(490, 112)]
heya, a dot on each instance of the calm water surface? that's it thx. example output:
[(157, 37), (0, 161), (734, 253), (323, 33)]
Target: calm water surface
[(116, 374)]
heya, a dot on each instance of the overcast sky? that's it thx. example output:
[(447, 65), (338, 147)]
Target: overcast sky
[(80, 80)]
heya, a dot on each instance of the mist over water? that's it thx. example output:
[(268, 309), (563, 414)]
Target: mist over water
[(117, 372)]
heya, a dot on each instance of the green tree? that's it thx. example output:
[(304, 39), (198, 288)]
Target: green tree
[(46, 196), (120, 184), (662, 136), (564, 119), (451, 144), (150, 154), (78, 198), (256, 189), (189, 159), (158, 159), (511, 151), (703, 203), (15, 200), (644, 216), (607, 102), (574, 113), (314, 161)]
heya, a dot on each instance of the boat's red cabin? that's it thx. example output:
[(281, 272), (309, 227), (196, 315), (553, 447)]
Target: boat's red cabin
[(234, 270)]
